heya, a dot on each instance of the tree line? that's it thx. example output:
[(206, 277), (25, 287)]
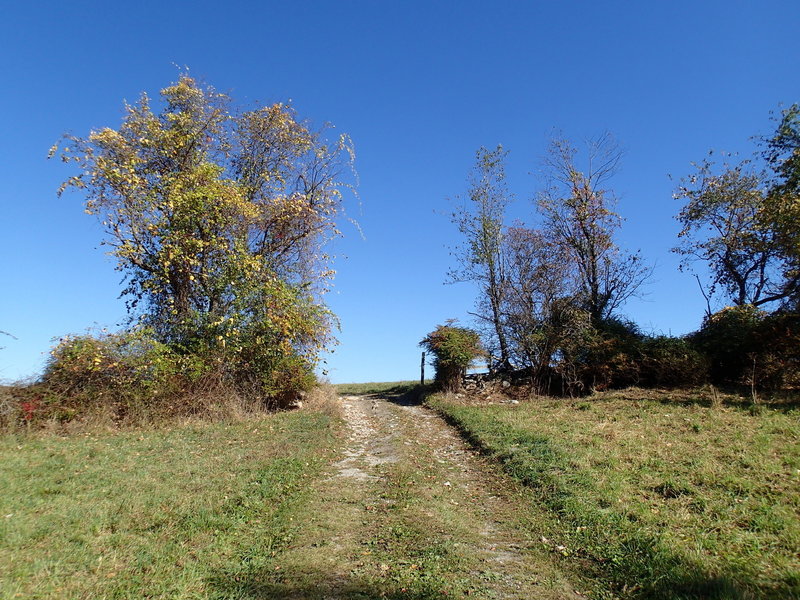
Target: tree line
[(218, 218), (551, 296)]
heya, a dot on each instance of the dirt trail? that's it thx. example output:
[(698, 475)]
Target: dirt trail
[(411, 512), (368, 446)]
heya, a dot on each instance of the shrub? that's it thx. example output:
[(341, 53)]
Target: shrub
[(123, 372), (289, 380), (728, 339), (747, 346), (671, 362), (615, 354), (454, 349), (131, 376), (776, 364), (604, 356)]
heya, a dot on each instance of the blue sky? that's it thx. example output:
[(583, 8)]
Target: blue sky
[(419, 86)]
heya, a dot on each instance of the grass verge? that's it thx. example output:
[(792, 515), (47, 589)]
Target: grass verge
[(177, 512), (663, 496)]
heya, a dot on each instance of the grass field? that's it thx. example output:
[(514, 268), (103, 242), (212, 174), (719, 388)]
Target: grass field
[(364, 389), (180, 512), (637, 494), (662, 493)]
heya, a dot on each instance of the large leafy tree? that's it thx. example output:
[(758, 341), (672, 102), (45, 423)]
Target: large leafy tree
[(217, 218), (579, 214), (723, 226), (743, 222)]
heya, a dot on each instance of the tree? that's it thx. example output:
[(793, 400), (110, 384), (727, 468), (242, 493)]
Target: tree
[(783, 152), (480, 221), (537, 305), (217, 219), (454, 349), (723, 225), (783, 200), (579, 215)]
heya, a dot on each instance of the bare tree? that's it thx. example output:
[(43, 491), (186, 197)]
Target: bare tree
[(538, 310), (579, 215), (480, 221)]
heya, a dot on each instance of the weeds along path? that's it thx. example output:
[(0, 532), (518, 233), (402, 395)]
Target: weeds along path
[(409, 512)]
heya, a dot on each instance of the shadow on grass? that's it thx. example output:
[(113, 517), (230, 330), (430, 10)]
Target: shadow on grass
[(405, 394), (268, 586), (730, 397), (699, 587)]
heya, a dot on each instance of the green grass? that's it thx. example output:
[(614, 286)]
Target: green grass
[(406, 557), (663, 496), (168, 513), (364, 389)]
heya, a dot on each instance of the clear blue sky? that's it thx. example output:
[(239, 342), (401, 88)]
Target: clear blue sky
[(419, 86)]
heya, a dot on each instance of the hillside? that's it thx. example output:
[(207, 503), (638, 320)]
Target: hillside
[(633, 494)]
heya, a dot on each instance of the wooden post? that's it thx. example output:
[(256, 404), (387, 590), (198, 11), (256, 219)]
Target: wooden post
[(422, 370)]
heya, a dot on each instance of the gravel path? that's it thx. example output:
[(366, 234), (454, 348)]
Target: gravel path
[(383, 432), (410, 512)]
